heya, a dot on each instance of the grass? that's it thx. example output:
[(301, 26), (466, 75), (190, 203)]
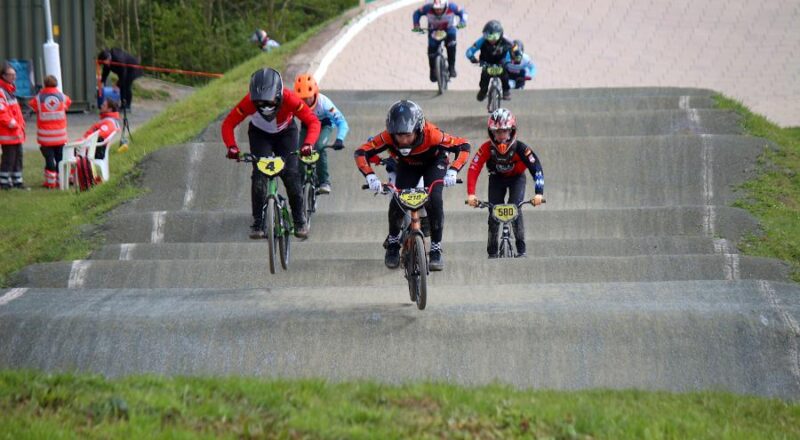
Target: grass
[(35, 405), (40, 226), (773, 197)]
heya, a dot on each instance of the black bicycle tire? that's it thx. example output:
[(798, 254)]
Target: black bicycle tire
[(284, 240), (494, 100), (308, 201), (506, 251), (421, 269), (269, 231), (441, 73)]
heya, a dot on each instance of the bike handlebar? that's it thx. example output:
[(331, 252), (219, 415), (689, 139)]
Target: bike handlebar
[(389, 187), (485, 204)]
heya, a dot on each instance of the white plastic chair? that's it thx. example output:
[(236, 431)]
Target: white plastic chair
[(102, 164), (70, 152)]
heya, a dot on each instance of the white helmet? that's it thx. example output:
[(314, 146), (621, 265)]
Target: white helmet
[(439, 6)]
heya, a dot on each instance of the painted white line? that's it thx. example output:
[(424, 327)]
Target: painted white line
[(710, 221), (352, 31), (708, 169), (77, 275), (126, 251), (12, 294), (194, 161), (683, 103), (731, 267), (794, 353), (159, 218)]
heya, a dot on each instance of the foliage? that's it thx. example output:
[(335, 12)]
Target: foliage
[(774, 196), (204, 35)]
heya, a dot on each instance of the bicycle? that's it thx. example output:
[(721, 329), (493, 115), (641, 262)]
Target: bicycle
[(310, 183), (495, 91), (277, 223), (504, 213), (440, 60)]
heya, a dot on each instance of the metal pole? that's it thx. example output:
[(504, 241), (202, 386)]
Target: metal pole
[(52, 58)]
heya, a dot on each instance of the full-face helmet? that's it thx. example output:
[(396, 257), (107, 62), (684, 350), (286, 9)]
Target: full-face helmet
[(502, 119), (439, 6), (266, 92), (493, 31), (517, 50), (405, 117)]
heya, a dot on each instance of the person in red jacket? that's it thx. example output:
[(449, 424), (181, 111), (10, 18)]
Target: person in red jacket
[(12, 130), (420, 149), (51, 107), (507, 159), (108, 124), (273, 130)]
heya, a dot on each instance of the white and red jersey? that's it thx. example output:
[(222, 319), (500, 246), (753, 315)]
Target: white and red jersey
[(291, 106)]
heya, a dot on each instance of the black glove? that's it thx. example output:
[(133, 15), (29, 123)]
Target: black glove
[(338, 145), (473, 60)]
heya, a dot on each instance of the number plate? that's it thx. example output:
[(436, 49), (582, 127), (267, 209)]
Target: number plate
[(413, 198), (494, 70), (505, 213), (311, 158), (439, 35), (270, 165)]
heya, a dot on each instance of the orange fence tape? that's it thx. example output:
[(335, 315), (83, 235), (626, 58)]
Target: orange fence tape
[(161, 69)]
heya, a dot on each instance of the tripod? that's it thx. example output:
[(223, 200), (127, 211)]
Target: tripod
[(126, 126)]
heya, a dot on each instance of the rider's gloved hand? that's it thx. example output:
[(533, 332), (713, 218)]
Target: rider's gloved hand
[(450, 177), (537, 199), (306, 150), (474, 60), (233, 153), (374, 183), (461, 25), (472, 200), (527, 78), (338, 145), (417, 29)]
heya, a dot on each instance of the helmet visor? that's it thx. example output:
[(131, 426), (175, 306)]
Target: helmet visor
[(492, 37)]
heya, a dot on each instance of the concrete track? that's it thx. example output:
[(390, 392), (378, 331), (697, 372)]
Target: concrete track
[(633, 279)]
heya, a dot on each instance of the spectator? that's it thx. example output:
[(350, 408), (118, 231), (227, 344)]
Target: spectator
[(262, 40), (108, 124), (12, 130), (118, 61), (51, 107)]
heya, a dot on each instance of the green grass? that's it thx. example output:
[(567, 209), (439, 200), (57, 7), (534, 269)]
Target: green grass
[(34, 405), (774, 195), (41, 226)]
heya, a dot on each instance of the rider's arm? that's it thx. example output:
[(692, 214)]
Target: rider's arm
[(242, 110), (304, 114), (338, 118), (451, 144), (476, 166), (474, 48), (534, 165), (371, 148), (460, 12), (530, 68), (419, 12)]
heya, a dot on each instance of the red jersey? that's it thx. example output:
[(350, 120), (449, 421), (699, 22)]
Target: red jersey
[(523, 158), (291, 106)]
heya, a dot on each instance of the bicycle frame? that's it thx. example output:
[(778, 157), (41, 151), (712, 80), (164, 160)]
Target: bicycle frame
[(504, 214)]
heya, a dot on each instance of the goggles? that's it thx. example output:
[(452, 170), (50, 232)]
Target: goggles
[(494, 36)]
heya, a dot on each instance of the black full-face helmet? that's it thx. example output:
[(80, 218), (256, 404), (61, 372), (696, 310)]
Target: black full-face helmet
[(405, 117), (266, 92), (517, 50), (493, 31)]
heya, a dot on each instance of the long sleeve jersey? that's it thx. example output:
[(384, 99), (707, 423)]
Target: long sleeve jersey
[(440, 22), (291, 106), (498, 53), (329, 114), (522, 159), (525, 66), (434, 143)]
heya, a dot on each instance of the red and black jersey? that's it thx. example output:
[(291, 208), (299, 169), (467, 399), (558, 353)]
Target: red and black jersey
[(521, 159), (434, 144)]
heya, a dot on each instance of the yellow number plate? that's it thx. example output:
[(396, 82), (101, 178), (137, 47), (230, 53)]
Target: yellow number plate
[(311, 158), (439, 35), (270, 165), (505, 213), (494, 70), (413, 199)]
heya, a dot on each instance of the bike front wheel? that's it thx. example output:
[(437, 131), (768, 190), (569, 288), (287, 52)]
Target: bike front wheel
[(443, 74), (269, 230), (494, 99), (418, 265), (309, 200)]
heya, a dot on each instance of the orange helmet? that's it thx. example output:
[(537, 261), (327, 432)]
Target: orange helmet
[(306, 86)]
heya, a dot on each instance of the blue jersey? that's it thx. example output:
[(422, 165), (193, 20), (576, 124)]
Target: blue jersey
[(524, 67), (441, 22), (498, 53), (328, 114)]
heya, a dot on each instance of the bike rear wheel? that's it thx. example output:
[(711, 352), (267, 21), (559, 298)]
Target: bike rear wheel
[(285, 238), (419, 272), (505, 249), (269, 231)]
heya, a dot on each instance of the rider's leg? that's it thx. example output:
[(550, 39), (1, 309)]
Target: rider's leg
[(433, 47), (322, 165), (261, 146), (517, 195), (407, 177), (506, 88), (285, 145), (484, 85), (435, 208), (450, 42)]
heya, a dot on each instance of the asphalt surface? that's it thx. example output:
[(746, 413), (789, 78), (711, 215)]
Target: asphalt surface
[(633, 280)]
